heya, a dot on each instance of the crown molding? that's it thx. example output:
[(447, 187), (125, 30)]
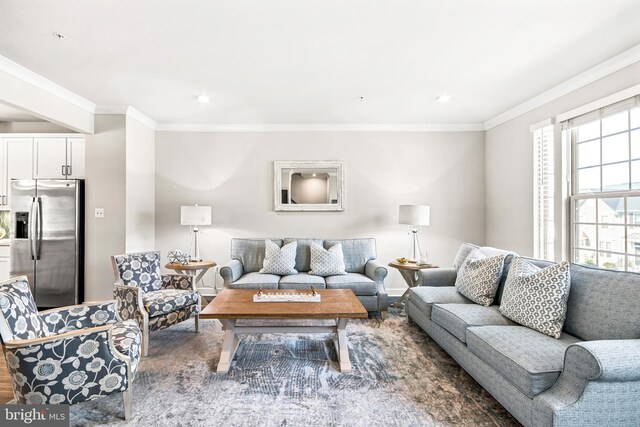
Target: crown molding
[(330, 127), (127, 110), (610, 66), (24, 74)]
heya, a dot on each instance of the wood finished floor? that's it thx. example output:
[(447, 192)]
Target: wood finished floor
[(6, 394)]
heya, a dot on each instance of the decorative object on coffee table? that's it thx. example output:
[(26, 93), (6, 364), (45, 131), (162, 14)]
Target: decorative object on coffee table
[(311, 296), (409, 271), (195, 216), (415, 216), (194, 268), (232, 305)]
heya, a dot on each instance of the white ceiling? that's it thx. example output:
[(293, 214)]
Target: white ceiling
[(309, 62), (10, 114)]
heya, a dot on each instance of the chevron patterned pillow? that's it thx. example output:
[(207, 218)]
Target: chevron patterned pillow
[(479, 277), (280, 261), (537, 298)]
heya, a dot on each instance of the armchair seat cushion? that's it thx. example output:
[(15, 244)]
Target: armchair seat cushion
[(126, 338), (531, 361), (302, 281), (165, 301), (358, 283), (255, 280)]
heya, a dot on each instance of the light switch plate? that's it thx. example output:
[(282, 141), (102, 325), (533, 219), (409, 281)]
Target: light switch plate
[(99, 212)]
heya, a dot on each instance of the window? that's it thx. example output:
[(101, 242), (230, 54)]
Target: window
[(606, 186), (543, 189)]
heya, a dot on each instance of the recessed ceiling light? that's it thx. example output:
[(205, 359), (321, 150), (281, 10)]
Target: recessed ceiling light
[(444, 98), (203, 99), (314, 175)]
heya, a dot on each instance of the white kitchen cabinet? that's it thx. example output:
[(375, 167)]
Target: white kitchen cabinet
[(15, 163), (58, 158), (50, 158), (4, 263)]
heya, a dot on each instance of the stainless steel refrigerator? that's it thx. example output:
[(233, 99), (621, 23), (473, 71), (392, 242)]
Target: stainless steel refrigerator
[(47, 239)]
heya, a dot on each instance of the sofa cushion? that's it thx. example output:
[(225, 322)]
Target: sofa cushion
[(531, 361), (479, 276), (250, 252), (536, 297), (279, 260), (358, 283), (357, 252), (303, 254), (463, 253), (302, 281), (327, 262), (165, 301), (456, 318), (603, 304), (425, 296), (255, 280)]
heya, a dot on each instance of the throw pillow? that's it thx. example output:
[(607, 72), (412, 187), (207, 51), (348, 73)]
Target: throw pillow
[(327, 262), (280, 261), (479, 277), (535, 297)]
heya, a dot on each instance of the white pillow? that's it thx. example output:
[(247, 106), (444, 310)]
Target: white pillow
[(280, 261), (535, 297), (327, 262), (479, 277)]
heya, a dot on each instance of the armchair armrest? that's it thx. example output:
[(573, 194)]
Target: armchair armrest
[(231, 272), (177, 281), (597, 377), (129, 304), (375, 270), (82, 316), (437, 277), (67, 368)]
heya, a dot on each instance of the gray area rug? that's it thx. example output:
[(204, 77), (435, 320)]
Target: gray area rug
[(400, 377)]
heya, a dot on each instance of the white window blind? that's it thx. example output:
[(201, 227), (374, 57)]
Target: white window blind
[(543, 191)]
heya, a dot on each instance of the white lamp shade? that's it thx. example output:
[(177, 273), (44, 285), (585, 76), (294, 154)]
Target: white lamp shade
[(414, 214), (195, 215)]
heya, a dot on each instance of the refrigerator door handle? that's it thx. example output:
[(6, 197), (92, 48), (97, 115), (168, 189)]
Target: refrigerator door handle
[(31, 230), (38, 220)]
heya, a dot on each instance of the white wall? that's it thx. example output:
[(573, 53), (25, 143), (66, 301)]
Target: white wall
[(140, 186), (233, 172), (509, 164), (105, 188)]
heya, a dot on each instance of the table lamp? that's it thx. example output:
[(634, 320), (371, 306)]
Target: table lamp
[(415, 216), (195, 216)]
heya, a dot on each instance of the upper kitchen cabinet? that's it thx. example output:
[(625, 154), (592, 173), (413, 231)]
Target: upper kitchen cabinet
[(56, 157), (17, 155)]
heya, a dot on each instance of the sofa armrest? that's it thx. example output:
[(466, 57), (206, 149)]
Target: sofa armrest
[(437, 277), (177, 281), (65, 319), (231, 272), (597, 376), (375, 271)]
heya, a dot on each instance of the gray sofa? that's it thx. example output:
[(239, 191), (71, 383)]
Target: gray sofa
[(588, 377), (365, 276)]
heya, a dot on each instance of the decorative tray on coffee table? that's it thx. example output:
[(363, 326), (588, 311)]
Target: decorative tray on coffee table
[(261, 296)]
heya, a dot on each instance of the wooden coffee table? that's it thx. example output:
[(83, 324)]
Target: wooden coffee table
[(231, 305)]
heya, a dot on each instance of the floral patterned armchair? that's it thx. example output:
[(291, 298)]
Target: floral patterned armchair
[(154, 300), (66, 355)]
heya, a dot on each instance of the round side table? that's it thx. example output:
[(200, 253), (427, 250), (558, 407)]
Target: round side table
[(409, 272), (196, 269)]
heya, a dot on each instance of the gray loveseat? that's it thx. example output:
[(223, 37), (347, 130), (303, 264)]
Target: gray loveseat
[(365, 276), (588, 377)]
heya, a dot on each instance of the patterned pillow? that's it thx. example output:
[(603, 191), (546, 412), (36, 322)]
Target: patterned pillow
[(280, 261), (327, 262), (535, 297), (478, 277), (18, 312)]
